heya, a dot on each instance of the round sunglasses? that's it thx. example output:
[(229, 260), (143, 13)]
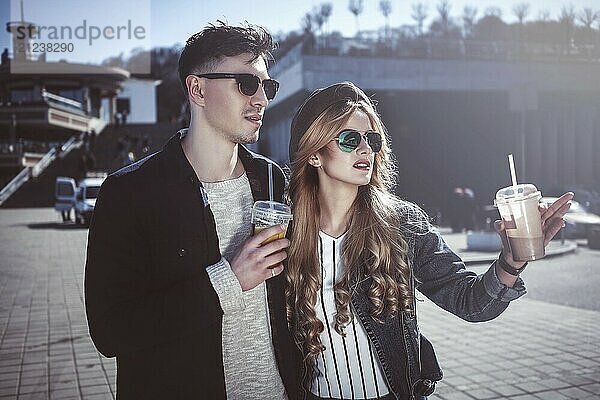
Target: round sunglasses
[(348, 140), (248, 84)]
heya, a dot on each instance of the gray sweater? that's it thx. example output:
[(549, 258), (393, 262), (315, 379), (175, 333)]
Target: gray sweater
[(248, 355)]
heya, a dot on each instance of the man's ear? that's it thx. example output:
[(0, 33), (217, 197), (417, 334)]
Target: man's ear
[(195, 90), (314, 161)]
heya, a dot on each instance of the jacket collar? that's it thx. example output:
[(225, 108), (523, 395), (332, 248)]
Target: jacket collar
[(181, 171)]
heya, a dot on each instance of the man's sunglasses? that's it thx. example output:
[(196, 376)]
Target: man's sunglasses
[(248, 84), (349, 140)]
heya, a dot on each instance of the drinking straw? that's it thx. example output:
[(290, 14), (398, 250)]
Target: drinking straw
[(513, 174), (270, 169)]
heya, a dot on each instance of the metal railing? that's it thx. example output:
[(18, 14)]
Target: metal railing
[(64, 102), (15, 184), (33, 172), (439, 48), (45, 161), (73, 143)]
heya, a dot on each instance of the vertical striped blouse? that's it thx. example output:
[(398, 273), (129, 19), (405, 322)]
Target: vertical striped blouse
[(348, 368)]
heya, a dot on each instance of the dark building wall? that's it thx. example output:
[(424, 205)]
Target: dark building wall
[(446, 139), (443, 139)]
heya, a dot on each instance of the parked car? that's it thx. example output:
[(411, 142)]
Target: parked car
[(587, 197), (578, 220), (80, 197)]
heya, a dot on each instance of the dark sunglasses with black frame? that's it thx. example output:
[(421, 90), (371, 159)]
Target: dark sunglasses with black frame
[(248, 84), (348, 140)]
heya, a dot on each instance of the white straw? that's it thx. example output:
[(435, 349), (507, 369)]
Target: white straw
[(513, 174), (270, 166)]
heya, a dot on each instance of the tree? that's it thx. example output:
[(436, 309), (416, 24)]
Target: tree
[(326, 10), (444, 26), (588, 17), (307, 23), (443, 9), (419, 14), (318, 19), (356, 7), (385, 6), (490, 28), (493, 12), (544, 15), (468, 17), (521, 11), (567, 21)]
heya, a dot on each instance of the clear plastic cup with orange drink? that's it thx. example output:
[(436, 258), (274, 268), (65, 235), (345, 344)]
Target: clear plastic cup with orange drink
[(266, 213)]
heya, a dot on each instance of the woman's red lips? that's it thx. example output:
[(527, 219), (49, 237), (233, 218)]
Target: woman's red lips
[(362, 164)]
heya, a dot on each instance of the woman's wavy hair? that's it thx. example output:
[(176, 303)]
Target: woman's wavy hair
[(375, 245)]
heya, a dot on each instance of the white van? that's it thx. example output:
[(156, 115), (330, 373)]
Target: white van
[(79, 197), (65, 192)]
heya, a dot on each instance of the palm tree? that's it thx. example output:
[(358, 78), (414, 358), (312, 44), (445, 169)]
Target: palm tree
[(307, 23), (356, 7), (419, 14), (318, 19), (385, 6), (326, 10)]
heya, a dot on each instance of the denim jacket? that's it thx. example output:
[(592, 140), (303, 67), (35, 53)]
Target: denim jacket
[(407, 357)]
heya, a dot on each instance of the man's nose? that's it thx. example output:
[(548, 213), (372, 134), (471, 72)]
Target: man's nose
[(260, 98)]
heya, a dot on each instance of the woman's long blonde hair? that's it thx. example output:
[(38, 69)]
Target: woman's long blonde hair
[(374, 245)]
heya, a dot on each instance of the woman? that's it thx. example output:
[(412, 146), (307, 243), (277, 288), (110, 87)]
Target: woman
[(357, 252)]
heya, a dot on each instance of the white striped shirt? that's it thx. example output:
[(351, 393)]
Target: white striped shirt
[(348, 368)]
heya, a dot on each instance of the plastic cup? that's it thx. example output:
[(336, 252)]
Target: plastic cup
[(518, 208), (266, 213)]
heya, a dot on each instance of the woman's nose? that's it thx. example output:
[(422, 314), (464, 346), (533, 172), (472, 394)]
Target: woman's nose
[(364, 147)]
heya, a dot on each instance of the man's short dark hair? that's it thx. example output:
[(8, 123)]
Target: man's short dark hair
[(204, 50)]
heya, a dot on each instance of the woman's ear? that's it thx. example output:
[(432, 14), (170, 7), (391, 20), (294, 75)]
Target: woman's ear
[(194, 85), (314, 161)]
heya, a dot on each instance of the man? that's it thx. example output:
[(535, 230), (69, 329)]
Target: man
[(176, 289)]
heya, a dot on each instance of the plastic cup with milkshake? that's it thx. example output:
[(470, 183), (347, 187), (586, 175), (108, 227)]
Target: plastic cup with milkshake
[(518, 208)]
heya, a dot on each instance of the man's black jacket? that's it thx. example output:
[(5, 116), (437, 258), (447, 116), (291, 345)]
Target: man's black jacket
[(148, 296)]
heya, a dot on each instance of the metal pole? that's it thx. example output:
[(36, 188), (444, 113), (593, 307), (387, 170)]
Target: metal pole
[(523, 165)]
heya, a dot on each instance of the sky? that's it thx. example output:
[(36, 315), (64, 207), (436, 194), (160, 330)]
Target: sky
[(165, 23)]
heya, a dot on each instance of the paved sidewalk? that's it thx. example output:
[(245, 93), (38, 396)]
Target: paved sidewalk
[(535, 350)]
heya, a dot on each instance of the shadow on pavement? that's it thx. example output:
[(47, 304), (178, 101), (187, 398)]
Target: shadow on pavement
[(55, 225)]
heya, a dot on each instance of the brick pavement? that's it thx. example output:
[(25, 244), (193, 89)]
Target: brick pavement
[(45, 349), (535, 350)]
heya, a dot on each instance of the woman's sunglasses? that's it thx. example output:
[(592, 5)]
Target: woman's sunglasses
[(248, 84), (349, 140)]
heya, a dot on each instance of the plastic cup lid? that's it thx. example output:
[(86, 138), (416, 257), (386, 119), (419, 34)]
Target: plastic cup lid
[(266, 208), (516, 193)]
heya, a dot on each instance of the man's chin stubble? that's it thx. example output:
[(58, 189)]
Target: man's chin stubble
[(245, 138)]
